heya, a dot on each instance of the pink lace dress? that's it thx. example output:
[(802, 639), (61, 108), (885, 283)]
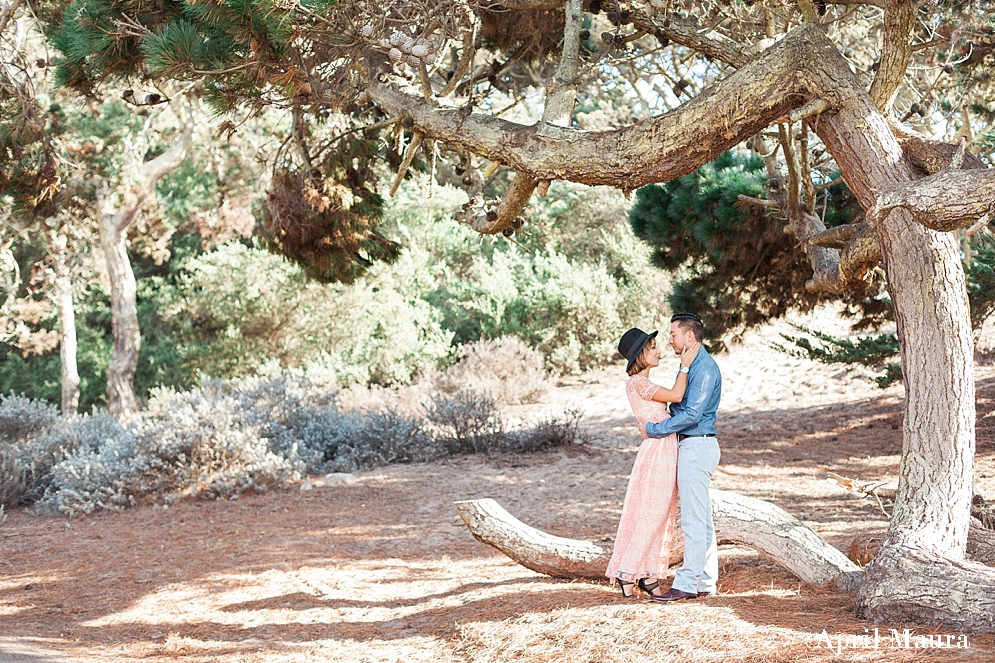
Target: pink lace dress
[(646, 529)]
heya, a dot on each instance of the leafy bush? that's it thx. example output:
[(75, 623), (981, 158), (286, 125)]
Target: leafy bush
[(241, 310), (68, 437), (21, 416), (574, 282), (202, 443), (548, 434), (223, 439), (371, 439), (505, 368)]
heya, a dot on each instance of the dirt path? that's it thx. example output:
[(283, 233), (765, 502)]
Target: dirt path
[(384, 570)]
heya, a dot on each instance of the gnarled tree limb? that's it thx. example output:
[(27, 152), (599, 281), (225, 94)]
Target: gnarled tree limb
[(899, 19), (655, 150), (946, 201)]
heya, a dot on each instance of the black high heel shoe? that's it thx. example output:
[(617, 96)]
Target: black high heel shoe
[(649, 588), (626, 588)]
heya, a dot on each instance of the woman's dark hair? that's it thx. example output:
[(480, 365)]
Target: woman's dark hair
[(641, 361)]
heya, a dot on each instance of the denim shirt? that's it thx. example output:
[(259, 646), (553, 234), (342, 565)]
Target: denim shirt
[(695, 414)]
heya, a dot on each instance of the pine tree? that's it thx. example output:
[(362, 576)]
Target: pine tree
[(738, 268)]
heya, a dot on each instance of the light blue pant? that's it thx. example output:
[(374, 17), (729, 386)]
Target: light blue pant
[(697, 458)]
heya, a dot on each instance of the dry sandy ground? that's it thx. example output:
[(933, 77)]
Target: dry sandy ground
[(384, 570)]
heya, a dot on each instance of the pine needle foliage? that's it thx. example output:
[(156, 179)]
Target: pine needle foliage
[(829, 349), (872, 351), (231, 46), (325, 219), (980, 272), (737, 267)]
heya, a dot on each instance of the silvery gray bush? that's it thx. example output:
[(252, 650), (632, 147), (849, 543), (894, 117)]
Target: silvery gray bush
[(21, 416), (223, 439)]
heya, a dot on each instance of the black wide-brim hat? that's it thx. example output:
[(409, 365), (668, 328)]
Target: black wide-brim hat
[(632, 343)]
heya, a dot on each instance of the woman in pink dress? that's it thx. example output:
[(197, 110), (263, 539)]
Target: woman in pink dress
[(645, 531)]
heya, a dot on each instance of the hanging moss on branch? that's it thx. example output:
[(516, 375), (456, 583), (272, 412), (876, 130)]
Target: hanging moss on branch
[(530, 36), (326, 219)]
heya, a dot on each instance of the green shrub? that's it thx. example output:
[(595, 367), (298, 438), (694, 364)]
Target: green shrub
[(223, 439)]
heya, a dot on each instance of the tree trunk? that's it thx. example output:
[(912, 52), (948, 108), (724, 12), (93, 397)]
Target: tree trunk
[(738, 519), (117, 210), (929, 523), (124, 320), (67, 343)]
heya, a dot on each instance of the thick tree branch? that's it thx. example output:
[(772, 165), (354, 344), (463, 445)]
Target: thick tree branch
[(561, 93), (148, 176), (899, 19), (946, 201), (761, 202), (672, 27), (8, 12), (835, 238), (927, 155), (464, 62), (655, 150)]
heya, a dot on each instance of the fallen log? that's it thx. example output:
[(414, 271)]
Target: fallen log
[(532, 548), (740, 519)]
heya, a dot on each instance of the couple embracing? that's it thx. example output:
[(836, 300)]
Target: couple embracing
[(677, 457)]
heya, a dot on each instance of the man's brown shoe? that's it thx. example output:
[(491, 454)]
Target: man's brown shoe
[(672, 595)]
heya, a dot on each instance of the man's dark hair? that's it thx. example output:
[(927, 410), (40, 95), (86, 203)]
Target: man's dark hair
[(690, 322)]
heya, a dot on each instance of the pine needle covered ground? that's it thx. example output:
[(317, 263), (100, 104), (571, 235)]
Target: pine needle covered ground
[(384, 570)]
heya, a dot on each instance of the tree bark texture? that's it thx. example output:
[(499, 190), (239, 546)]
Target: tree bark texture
[(946, 201), (896, 52), (124, 320), (981, 544), (534, 549), (925, 277), (67, 342), (926, 281), (905, 583), (752, 522), (117, 211), (927, 155), (782, 537)]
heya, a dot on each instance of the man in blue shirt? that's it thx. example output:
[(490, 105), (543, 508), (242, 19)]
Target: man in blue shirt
[(693, 419)]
